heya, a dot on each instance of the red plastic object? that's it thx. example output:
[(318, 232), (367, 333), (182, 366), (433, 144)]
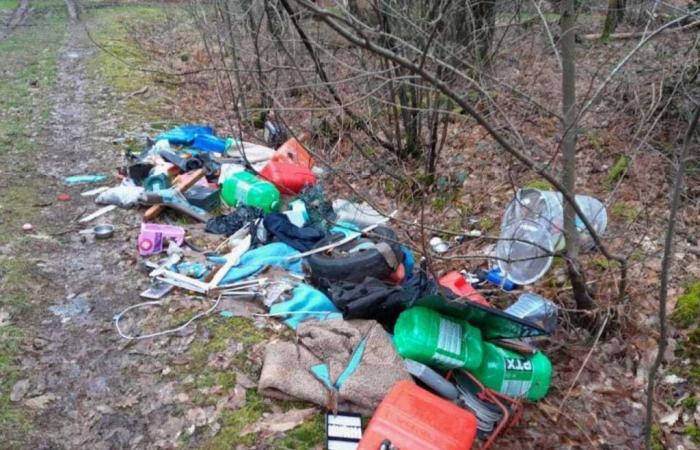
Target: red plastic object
[(287, 177), (414, 419), (293, 152), (397, 276), (455, 282), (63, 198)]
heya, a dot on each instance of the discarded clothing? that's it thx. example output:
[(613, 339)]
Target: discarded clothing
[(230, 223), (370, 299), (276, 254), (121, 196), (286, 372), (306, 303), (302, 239)]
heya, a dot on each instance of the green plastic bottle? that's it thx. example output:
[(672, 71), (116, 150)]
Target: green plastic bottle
[(428, 337), (244, 188), (513, 374)]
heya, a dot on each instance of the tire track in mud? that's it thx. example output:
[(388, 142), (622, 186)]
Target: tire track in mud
[(17, 18)]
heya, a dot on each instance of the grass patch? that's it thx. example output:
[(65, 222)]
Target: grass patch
[(120, 56), (8, 4), (29, 57), (14, 422)]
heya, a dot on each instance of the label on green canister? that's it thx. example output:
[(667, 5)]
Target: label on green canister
[(517, 378), (449, 346)]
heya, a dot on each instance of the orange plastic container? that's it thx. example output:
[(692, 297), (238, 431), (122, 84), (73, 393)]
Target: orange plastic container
[(294, 153), (414, 419), (455, 282)]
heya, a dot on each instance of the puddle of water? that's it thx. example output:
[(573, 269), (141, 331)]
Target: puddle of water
[(76, 307)]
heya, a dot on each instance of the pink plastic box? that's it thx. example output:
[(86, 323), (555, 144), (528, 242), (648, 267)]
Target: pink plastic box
[(154, 237)]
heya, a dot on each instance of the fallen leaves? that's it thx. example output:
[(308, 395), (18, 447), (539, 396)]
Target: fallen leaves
[(19, 390), (4, 318), (41, 402), (671, 418), (280, 422)]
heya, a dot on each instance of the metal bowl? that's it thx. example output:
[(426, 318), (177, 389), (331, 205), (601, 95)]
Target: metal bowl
[(103, 231)]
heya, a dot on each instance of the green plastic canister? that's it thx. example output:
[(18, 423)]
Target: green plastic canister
[(513, 374), (428, 337), (244, 188)]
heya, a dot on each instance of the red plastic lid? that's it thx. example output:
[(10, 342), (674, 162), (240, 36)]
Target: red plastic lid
[(456, 282)]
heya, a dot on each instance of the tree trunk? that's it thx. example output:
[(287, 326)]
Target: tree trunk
[(615, 15), (568, 59), (473, 23)]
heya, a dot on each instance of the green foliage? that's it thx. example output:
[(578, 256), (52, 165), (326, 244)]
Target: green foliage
[(657, 442), (687, 309), (618, 170), (690, 403), (693, 432)]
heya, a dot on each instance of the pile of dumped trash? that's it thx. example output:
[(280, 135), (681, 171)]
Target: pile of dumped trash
[(434, 363)]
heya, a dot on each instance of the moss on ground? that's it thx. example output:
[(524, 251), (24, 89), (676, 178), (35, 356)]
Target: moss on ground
[(234, 422), (687, 311), (624, 211), (306, 436), (619, 169), (540, 183)]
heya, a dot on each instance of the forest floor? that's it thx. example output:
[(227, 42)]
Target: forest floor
[(67, 380)]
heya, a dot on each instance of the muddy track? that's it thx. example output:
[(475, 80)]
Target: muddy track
[(88, 388), (17, 18)]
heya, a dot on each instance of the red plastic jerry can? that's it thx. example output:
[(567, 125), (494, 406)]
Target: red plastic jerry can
[(412, 418), (456, 282), (288, 178)]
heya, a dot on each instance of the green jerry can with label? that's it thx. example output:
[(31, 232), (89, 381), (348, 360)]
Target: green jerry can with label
[(244, 188), (428, 337), (513, 374)]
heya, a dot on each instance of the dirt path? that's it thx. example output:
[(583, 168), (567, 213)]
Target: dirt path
[(88, 388)]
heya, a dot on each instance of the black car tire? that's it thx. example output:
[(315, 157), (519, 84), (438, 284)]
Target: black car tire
[(354, 267)]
